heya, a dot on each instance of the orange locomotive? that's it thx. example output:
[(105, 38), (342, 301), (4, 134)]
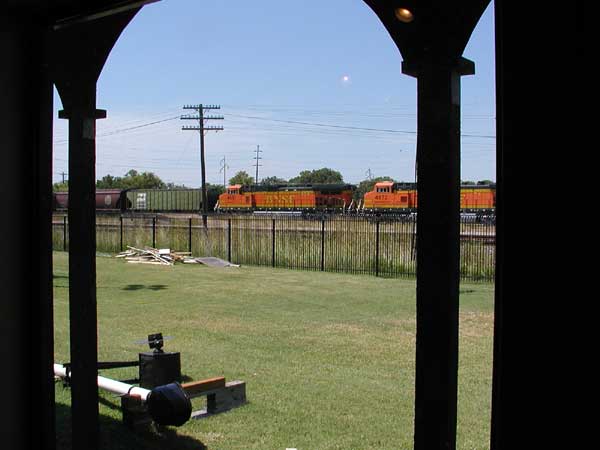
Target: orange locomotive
[(388, 196), (315, 197)]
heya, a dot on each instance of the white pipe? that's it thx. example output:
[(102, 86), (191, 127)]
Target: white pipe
[(114, 386)]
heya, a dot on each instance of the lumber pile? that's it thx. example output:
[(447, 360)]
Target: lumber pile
[(166, 257), (149, 255)]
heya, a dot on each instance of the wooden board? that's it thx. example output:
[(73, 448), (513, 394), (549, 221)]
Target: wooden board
[(195, 388)]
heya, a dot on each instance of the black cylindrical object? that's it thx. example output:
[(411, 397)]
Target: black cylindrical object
[(159, 368), (169, 405)]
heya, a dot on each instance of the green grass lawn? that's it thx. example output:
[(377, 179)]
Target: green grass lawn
[(328, 358)]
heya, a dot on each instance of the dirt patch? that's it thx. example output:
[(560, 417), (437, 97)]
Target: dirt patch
[(476, 324)]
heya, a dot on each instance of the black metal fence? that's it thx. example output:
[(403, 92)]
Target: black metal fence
[(380, 246)]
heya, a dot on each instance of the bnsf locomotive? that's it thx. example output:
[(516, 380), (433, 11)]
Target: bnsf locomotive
[(314, 197), (388, 196)]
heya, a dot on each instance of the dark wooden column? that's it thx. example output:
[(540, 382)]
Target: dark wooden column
[(26, 280), (82, 116), (438, 249), (431, 36), (80, 47), (43, 329)]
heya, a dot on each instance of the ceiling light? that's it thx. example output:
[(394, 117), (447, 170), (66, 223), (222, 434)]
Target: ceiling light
[(404, 15)]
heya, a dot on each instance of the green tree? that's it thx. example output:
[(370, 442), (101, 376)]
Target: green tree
[(367, 186), (132, 180), (318, 176), (60, 187), (486, 182), (212, 192), (242, 178), (273, 180), (108, 182), (175, 186), (144, 180)]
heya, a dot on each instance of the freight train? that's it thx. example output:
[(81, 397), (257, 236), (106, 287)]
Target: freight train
[(385, 198)]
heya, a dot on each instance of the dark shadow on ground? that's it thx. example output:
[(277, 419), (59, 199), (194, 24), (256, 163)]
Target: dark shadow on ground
[(116, 436), (152, 287), (60, 280)]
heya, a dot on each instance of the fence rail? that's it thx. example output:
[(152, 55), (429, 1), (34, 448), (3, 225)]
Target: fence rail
[(380, 246)]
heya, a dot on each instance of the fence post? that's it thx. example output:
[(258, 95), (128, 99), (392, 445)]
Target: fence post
[(322, 245), (121, 232), (273, 243), (229, 240), (190, 235), (65, 233), (377, 248), (154, 232)]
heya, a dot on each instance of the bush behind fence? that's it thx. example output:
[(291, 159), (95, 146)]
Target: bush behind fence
[(349, 244)]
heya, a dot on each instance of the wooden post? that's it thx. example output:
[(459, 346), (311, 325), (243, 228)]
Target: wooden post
[(438, 249), (26, 319), (82, 117), (77, 52)]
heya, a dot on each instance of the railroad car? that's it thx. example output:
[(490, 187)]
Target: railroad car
[(312, 197), (388, 196), (106, 200), (159, 200), (143, 200)]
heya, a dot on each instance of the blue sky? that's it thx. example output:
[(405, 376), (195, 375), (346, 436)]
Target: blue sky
[(287, 80)]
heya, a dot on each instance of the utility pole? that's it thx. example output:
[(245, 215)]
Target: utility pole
[(257, 158), (63, 177), (202, 128), (223, 169), (369, 174)]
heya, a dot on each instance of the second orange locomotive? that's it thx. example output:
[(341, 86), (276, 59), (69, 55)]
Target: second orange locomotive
[(388, 196)]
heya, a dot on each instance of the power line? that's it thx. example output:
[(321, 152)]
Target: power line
[(123, 130), (347, 127), (316, 124)]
